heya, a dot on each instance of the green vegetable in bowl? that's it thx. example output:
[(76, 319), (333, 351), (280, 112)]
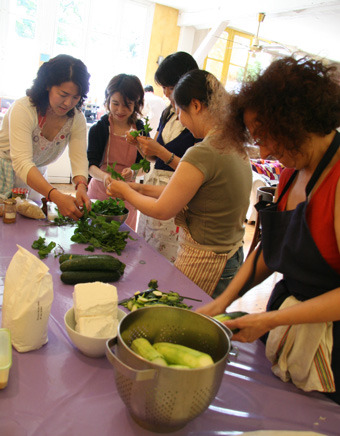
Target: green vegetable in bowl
[(110, 206)]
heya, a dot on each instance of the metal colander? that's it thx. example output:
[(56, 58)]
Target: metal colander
[(165, 399)]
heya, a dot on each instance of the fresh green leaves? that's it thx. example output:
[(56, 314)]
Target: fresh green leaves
[(98, 233), (114, 174), (146, 129), (143, 163), (110, 206), (43, 249)]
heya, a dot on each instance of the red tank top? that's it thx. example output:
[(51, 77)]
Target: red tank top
[(320, 214)]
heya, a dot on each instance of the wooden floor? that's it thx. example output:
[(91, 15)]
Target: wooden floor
[(256, 299)]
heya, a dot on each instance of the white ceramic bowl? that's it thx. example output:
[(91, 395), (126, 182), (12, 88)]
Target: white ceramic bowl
[(91, 347)]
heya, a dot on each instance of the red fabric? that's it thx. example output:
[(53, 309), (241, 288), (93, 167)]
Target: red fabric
[(320, 214)]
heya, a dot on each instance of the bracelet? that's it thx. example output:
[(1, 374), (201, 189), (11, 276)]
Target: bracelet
[(49, 193), (80, 183), (170, 160)]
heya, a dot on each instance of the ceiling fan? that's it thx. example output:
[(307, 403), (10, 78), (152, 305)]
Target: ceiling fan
[(256, 47)]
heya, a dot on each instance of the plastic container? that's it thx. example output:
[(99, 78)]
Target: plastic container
[(5, 356)]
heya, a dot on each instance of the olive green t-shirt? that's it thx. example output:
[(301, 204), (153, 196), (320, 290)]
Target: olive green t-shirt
[(216, 214)]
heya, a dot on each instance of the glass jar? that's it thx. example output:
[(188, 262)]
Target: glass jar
[(2, 207), (10, 211)]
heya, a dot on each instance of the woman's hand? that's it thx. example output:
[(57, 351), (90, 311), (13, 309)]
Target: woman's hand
[(149, 146), (213, 308), (128, 174), (251, 326), (82, 198), (107, 180), (117, 188), (70, 206)]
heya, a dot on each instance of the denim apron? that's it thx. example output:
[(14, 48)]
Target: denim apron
[(288, 247)]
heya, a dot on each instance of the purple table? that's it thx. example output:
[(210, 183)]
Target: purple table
[(56, 390)]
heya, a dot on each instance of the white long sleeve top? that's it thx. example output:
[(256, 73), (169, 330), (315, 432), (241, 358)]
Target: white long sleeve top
[(22, 142)]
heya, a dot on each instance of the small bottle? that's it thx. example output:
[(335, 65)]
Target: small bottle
[(10, 211)]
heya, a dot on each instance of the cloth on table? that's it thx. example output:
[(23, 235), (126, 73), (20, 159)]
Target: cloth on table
[(302, 353)]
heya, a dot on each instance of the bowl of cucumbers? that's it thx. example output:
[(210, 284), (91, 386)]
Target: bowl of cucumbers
[(171, 359)]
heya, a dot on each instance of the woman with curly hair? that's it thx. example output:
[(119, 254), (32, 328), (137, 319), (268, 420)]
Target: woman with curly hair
[(37, 128), (208, 194), (124, 98), (292, 112)]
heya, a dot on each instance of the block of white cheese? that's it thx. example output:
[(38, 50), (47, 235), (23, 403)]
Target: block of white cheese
[(97, 326), (93, 299), (96, 309)]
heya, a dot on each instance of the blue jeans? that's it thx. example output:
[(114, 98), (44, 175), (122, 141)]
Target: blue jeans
[(231, 268)]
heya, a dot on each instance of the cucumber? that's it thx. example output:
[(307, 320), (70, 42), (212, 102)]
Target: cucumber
[(92, 263), (176, 354), (74, 277), (64, 257), (143, 348)]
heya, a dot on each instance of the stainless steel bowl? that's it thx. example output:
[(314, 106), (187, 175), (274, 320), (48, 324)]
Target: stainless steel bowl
[(120, 218), (164, 399)]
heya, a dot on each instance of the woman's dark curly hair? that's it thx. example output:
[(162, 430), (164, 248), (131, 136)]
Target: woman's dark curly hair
[(292, 99), (131, 89), (60, 69)]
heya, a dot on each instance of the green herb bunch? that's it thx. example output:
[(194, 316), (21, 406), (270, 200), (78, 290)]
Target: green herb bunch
[(110, 206), (98, 233), (42, 247), (143, 163), (114, 174)]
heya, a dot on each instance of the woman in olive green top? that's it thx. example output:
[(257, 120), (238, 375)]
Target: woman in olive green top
[(209, 191)]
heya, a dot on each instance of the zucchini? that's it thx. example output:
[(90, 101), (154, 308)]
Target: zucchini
[(64, 257), (74, 277), (143, 348), (176, 354), (92, 263), (231, 315), (227, 316)]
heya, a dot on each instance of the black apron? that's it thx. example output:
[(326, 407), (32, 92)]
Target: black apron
[(288, 247)]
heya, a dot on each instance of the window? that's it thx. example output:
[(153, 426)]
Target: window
[(109, 36), (231, 59)]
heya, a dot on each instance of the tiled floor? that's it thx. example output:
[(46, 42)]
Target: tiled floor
[(254, 300)]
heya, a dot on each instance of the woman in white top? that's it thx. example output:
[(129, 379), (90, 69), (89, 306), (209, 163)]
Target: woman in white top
[(37, 128)]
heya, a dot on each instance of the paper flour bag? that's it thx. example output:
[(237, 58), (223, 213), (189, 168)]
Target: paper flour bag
[(28, 296)]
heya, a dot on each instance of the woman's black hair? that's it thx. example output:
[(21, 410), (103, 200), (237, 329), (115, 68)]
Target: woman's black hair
[(173, 67), (171, 70), (131, 89), (193, 84), (60, 69)]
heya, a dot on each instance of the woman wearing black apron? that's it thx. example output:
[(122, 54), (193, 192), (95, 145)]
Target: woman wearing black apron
[(292, 112)]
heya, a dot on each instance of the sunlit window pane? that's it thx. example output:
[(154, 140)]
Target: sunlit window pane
[(240, 50), (214, 67), (218, 50), (235, 78)]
